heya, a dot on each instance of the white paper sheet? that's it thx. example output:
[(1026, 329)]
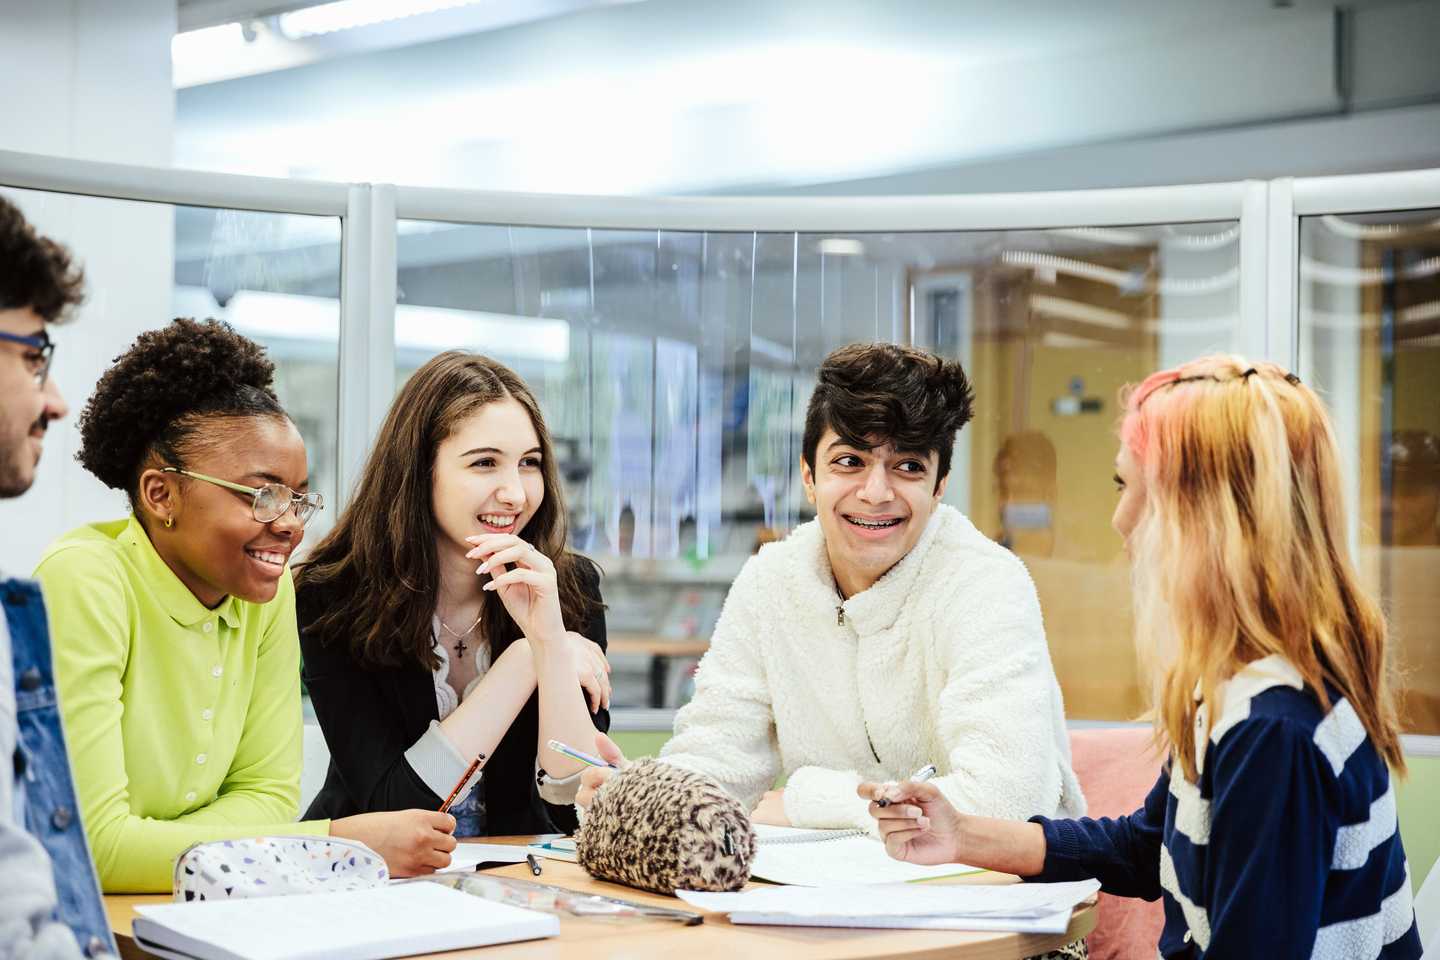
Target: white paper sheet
[(828, 861), (1057, 922), (465, 856), (767, 831), (1008, 901)]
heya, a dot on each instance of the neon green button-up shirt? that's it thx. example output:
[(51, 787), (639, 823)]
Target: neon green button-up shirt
[(183, 722)]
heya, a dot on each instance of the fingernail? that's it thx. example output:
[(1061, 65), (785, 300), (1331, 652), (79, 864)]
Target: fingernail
[(489, 586), (472, 539), (483, 567), (923, 823)]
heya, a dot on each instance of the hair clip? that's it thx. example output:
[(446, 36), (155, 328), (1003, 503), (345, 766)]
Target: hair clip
[(1292, 379), (1249, 373)]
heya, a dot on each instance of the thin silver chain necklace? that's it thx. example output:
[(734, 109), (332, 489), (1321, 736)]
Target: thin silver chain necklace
[(460, 647)]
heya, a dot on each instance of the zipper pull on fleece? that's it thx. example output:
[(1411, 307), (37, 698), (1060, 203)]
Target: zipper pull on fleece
[(839, 616)]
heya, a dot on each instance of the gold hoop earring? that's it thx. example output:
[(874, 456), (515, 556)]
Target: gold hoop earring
[(169, 521)]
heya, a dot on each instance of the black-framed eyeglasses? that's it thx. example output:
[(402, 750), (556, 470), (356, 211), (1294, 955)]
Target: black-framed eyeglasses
[(39, 365), (271, 500)]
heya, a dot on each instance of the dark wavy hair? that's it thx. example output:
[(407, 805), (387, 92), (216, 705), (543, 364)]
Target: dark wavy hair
[(873, 394), (35, 271), (382, 547), (155, 403)]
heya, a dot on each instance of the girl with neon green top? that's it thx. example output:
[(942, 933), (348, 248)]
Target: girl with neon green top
[(176, 650)]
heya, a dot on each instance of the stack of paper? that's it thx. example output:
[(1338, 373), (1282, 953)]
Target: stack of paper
[(1019, 907), (819, 858)]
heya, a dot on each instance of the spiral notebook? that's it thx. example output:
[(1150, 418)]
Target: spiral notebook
[(823, 858)]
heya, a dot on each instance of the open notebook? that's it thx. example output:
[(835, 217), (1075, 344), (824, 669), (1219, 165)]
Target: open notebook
[(822, 858), (391, 921)]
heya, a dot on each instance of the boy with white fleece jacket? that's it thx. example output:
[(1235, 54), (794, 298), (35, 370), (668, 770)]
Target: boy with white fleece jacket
[(942, 661), (886, 634)]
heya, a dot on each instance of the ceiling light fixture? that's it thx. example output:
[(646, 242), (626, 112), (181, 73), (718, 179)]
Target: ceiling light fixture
[(347, 14), (841, 247), (197, 46)]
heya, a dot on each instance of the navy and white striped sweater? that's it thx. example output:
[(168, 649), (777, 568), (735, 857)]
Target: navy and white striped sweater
[(1287, 847)]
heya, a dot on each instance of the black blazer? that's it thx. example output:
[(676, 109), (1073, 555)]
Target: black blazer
[(372, 715)]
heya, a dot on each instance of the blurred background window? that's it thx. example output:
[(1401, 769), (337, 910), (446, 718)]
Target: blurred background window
[(1370, 339), (675, 368), (275, 277)]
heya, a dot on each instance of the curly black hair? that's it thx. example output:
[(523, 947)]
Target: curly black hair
[(35, 271), (157, 398), (872, 394)]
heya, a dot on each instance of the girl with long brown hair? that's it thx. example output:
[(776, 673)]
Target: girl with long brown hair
[(1272, 830), (441, 618)]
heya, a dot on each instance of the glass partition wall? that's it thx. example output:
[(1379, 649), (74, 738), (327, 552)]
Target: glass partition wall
[(675, 368), (275, 277), (675, 365), (1370, 339)]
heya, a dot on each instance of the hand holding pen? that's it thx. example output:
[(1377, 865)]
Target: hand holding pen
[(919, 776), (916, 822)]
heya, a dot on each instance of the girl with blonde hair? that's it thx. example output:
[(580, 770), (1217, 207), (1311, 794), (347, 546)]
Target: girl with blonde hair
[(1272, 829)]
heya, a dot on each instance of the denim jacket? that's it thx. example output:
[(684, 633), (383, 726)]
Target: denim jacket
[(44, 782)]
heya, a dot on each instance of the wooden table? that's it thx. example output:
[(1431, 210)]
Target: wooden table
[(657, 646), (715, 939)]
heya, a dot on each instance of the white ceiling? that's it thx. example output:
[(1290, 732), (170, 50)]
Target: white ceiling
[(703, 95)]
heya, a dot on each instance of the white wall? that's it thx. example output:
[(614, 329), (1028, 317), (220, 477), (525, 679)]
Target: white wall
[(700, 97), (1402, 138), (88, 79), (742, 96)]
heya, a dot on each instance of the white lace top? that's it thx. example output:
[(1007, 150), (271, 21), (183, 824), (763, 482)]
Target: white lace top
[(445, 698), (439, 763)]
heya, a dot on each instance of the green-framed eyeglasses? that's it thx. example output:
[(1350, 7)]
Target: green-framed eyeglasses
[(271, 500)]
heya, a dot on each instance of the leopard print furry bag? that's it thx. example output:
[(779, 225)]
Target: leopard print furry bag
[(659, 828)]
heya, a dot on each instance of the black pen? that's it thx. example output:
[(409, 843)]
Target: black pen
[(921, 775), (534, 864)]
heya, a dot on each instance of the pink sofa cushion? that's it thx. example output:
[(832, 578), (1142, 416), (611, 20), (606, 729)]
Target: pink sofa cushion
[(1116, 769)]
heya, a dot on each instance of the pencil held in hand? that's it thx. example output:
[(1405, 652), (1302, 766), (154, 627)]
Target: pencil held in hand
[(574, 754), (445, 807)]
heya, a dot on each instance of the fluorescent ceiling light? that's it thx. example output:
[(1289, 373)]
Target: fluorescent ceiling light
[(264, 316), (283, 318), (501, 335), (841, 247), (346, 14), (198, 46)]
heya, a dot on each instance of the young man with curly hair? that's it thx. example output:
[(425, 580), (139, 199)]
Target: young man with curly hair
[(886, 634), (45, 911)]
